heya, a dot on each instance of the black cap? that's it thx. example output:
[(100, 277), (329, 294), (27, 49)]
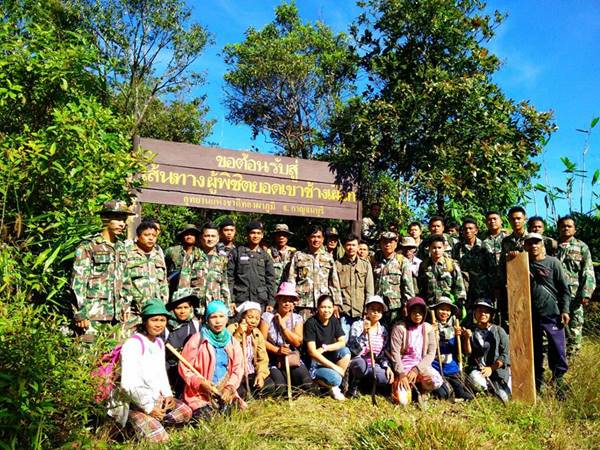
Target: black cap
[(226, 222), (254, 225)]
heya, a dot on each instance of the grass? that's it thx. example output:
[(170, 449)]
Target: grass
[(317, 423)]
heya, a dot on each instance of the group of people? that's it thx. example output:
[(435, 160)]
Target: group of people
[(258, 318)]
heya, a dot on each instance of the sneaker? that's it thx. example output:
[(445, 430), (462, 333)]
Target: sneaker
[(336, 393)]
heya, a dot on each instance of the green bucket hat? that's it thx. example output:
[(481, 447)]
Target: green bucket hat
[(156, 307)]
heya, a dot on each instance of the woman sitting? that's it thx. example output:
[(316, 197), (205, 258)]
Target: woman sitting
[(326, 346), (365, 332), (283, 331), (256, 374), (413, 348), (217, 358), (144, 377)]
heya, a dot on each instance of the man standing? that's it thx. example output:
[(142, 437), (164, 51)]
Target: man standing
[(536, 224), (356, 281), (145, 272), (393, 278), (408, 248), (414, 231), (492, 238), (205, 271), (370, 225), (512, 245), (227, 235), (550, 298), (188, 238), (314, 274), (576, 259), (98, 273), (436, 228), (250, 270), (332, 243), (476, 264), (440, 276), (280, 252)]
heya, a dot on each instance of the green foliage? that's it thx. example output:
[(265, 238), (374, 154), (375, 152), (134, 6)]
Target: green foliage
[(285, 80), (431, 114), (148, 48), (62, 158), (46, 396), (178, 121)]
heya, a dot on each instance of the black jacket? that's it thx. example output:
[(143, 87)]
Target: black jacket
[(251, 276)]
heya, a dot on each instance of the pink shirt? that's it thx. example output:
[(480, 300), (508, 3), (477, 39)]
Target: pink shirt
[(414, 348)]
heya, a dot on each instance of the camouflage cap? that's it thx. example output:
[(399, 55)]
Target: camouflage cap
[(388, 235), (332, 231), (116, 207), (408, 242), (534, 236), (282, 228), (183, 295), (188, 228)]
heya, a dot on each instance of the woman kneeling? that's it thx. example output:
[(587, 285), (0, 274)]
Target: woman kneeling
[(217, 358), (144, 377), (413, 348)]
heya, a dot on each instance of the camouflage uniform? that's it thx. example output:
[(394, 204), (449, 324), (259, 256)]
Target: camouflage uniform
[(97, 280), (493, 244), (280, 262), (477, 265), (440, 279), (174, 257), (314, 275), (223, 250), (393, 279), (449, 242), (207, 276), (144, 278), (576, 259)]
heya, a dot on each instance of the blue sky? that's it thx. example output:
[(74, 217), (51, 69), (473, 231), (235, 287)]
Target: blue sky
[(550, 51)]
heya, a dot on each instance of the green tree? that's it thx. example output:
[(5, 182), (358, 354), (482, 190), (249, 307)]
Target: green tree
[(431, 114), (149, 48), (285, 80), (63, 153)]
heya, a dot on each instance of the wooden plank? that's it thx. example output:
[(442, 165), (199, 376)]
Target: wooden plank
[(521, 338)]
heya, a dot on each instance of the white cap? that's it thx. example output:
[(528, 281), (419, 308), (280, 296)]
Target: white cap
[(376, 299), (246, 306)]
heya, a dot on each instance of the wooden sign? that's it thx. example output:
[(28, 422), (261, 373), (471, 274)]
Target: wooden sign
[(216, 178), (521, 337)]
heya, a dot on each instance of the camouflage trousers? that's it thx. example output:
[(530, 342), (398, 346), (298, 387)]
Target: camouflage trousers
[(105, 330), (575, 330)]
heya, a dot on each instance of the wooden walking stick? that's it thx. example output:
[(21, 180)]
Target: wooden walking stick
[(437, 343), (374, 387), (213, 389), (244, 341), (288, 377), (459, 348)]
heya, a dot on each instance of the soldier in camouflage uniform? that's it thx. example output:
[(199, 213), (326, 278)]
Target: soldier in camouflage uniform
[(227, 232), (576, 259), (476, 263), (536, 224), (205, 271), (314, 274), (370, 227), (512, 245), (440, 276), (280, 252), (492, 238), (174, 256), (392, 274), (144, 273), (97, 273), (436, 228)]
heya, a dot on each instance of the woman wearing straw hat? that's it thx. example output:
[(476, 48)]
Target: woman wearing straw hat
[(283, 331), (144, 377)]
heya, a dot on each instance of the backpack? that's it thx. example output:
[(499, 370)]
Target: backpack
[(108, 371)]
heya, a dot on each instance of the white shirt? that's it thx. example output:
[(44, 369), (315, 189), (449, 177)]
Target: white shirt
[(144, 375)]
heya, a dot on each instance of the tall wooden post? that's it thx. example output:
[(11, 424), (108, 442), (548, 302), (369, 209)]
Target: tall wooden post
[(521, 337)]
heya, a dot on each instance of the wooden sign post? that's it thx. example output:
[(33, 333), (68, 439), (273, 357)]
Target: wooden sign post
[(521, 338)]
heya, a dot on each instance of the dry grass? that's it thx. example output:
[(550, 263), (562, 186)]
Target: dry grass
[(317, 423)]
